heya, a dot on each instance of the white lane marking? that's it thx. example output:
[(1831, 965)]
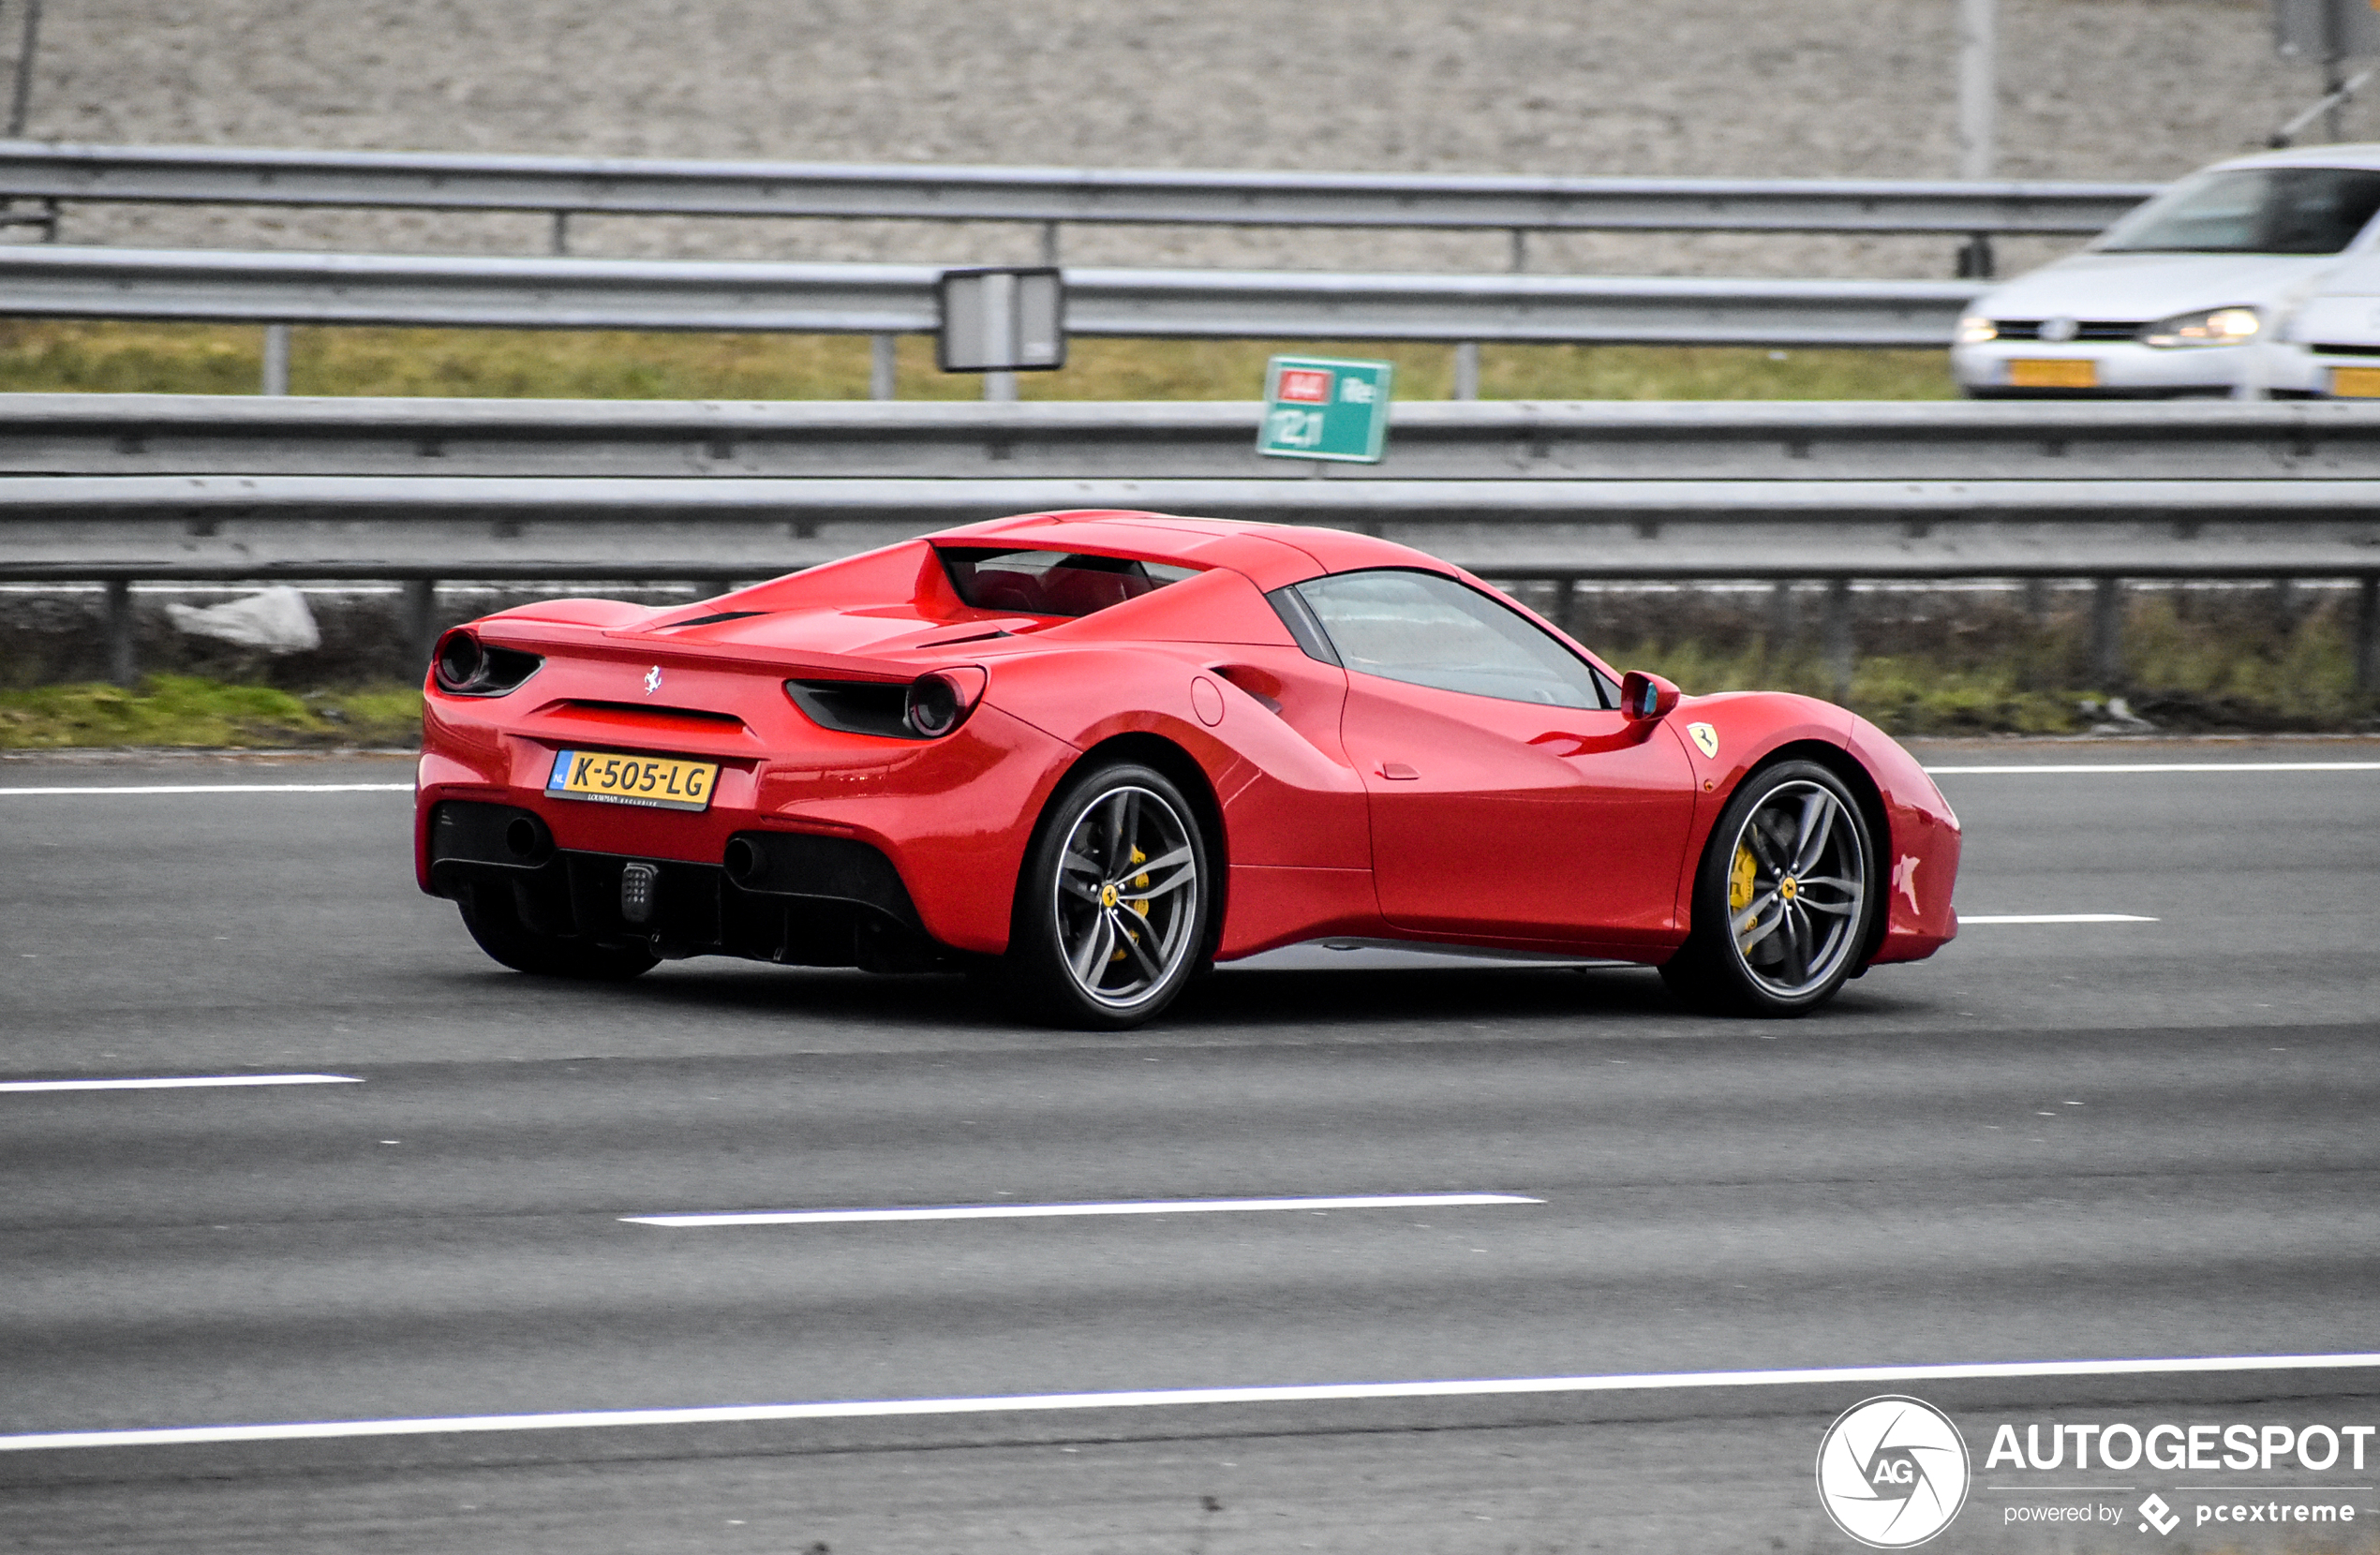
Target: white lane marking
[(1164, 1398), (183, 1082), (1965, 919), (2163, 766), (226, 788), (1037, 1211)]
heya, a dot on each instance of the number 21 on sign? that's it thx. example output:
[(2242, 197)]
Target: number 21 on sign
[(1290, 427)]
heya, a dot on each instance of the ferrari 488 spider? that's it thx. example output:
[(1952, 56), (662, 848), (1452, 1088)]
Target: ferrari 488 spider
[(1091, 754)]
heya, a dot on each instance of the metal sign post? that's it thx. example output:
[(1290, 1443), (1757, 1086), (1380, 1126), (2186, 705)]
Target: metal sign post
[(2329, 33), (1319, 408), (1978, 114), (22, 98)]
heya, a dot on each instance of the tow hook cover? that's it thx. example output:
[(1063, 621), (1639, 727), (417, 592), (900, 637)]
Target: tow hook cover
[(636, 882)]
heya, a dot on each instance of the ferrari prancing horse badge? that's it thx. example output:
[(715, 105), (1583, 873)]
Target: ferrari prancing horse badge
[(1706, 738)]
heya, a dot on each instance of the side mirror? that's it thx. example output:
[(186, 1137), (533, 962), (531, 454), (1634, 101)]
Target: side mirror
[(1647, 697)]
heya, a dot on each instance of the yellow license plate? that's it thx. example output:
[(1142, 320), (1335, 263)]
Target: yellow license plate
[(664, 782), (2356, 383), (2060, 372)]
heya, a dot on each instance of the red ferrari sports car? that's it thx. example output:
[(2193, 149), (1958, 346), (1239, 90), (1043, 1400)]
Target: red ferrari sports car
[(1093, 753)]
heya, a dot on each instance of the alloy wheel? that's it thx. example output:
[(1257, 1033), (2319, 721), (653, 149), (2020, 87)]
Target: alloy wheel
[(1795, 889), (1125, 896)]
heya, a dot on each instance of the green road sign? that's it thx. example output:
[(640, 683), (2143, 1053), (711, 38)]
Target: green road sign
[(1316, 407)]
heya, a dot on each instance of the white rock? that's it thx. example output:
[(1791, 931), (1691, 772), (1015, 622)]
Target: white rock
[(275, 620)]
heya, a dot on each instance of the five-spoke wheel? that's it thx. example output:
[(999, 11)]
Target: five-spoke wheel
[(1782, 899), (1112, 909)]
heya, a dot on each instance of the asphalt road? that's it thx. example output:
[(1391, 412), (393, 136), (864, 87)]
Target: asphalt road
[(2053, 1143)]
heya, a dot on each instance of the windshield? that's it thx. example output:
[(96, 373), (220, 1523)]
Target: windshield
[(2252, 210)]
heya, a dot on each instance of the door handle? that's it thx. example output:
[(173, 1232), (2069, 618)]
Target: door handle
[(1397, 772)]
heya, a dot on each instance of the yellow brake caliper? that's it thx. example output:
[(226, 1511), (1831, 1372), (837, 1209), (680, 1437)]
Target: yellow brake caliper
[(1139, 882), (1740, 882)]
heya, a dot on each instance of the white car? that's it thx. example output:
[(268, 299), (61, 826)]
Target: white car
[(2187, 295), (2333, 341)]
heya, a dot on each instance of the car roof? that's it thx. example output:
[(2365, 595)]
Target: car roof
[(2357, 156), (1271, 554)]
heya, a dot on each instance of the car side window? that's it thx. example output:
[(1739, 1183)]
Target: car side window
[(1431, 630)]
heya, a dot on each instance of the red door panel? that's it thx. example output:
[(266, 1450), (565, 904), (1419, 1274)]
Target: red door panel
[(1518, 820)]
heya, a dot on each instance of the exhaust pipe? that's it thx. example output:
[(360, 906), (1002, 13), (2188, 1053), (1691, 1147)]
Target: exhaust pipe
[(527, 839), (746, 865)]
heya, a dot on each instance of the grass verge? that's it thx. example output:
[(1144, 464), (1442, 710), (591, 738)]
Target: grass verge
[(188, 711), (2181, 675), (223, 358)]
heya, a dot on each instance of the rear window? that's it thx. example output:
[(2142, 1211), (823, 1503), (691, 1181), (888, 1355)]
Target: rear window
[(2252, 210), (1053, 583)]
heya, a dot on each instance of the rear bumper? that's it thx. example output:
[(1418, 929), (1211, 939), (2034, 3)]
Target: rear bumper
[(948, 818), (804, 900)]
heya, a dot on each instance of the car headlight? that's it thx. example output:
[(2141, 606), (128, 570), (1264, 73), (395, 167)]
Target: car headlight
[(1975, 330), (2214, 327)]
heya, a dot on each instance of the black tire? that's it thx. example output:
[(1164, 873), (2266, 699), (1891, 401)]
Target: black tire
[(1784, 898), (1112, 908), (495, 921)]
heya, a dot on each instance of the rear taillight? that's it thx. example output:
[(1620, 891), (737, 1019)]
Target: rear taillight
[(940, 703), (463, 666), (458, 662)]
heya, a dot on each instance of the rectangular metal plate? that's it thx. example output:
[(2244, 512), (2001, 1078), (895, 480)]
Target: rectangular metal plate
[(2356, 383), (2060, 372), (660, 783)]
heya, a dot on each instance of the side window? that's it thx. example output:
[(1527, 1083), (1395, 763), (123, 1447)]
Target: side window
[(1431, 630)]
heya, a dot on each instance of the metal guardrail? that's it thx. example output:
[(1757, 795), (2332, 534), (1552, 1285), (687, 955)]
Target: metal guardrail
[(878, 299), (1509, 505), (610, 186), (116, 489), (213, 435)]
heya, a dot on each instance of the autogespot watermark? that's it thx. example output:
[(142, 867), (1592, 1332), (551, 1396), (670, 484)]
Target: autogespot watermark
[(1894, 1472)]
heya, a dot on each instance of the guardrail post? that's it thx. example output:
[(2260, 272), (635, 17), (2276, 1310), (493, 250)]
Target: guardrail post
[(2108, 632), (1782, 625), (2368, 635), (1466, 370), (1050, 243), (1572, 611), (276, 359), (561, 240), (122, 669), (1840, 657), (999, 387), (883, 366), (421, 618), (1519, 249)]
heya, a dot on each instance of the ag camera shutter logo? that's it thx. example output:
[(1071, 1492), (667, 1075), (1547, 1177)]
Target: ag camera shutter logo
[(1892, 1471)]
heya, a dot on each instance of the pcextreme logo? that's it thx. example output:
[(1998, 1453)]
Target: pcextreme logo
[(1892, 1471)]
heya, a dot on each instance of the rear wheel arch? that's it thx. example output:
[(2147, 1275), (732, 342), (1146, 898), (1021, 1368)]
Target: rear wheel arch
[(1164, 755), (1043, 973)]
